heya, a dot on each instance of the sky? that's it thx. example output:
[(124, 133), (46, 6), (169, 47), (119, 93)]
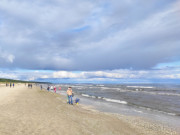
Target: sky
[(90, 40)]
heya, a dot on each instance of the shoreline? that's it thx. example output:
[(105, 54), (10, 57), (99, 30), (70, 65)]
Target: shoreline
[(163, 124), (138, 122), (150, 123), (157, 121), (170, 121), (34, 111), (148, 115)]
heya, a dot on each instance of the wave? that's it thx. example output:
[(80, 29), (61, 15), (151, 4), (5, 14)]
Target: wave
[(169, 94), (115, 101), (124, 102), (85, 95), (140, 87), (106, 99), (152, 92), (158, 93), (100, 85), (105, 88), (79, 88), (156, 110), (99, 97)]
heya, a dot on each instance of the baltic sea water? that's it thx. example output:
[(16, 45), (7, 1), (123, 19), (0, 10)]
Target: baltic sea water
[(160, 102)]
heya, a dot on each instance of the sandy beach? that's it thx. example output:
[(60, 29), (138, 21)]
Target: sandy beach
[(25, 111)]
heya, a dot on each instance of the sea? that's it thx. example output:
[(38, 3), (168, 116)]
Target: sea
[(159, 102)]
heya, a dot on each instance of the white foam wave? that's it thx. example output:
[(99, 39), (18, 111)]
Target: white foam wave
[(106, 99), (156, 93), (173, 114), (154, 110), (79, 88), (169, 94), (93, 96), (138, 111), (100, 85), (85, 95), (105, 88), (115, 101), (140, 87)]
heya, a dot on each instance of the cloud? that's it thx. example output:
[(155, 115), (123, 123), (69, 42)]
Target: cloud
[(8, 75), (89, 36), (65, 74), (118, 76), (6, 57), (10, 58)]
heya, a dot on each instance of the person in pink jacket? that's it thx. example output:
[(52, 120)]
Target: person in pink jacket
[(54, 89)]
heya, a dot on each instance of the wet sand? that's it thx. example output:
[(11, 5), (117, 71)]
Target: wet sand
[(25, 111)]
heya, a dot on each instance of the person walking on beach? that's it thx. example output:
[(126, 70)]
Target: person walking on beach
[(48, 88), (30, 86), (54, 89), (41, 87), (13, 85), (69, 93), (10, 85)]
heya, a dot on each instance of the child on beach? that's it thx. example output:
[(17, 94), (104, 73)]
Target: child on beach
[(77, 101)]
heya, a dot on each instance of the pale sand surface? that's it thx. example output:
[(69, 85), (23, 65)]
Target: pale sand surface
[(26, 111)]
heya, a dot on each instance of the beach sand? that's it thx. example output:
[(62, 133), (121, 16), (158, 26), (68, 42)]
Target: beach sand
[(25, 111)]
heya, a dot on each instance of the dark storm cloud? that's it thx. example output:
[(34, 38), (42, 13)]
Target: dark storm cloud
[(88, 35)]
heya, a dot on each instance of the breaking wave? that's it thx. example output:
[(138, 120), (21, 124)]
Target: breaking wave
[(106, 99)]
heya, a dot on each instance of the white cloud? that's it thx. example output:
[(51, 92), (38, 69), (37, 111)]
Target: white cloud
[(9, 58), (65, 74), (90, 76), (121, 74), (8, 75), (44, 76)]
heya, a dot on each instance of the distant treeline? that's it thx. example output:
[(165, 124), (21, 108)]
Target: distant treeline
[(15, 81)]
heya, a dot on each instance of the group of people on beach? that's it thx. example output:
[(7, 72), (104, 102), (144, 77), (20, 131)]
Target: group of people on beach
[(50, 88), (30, 86), (11, 85), (69, 92)]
